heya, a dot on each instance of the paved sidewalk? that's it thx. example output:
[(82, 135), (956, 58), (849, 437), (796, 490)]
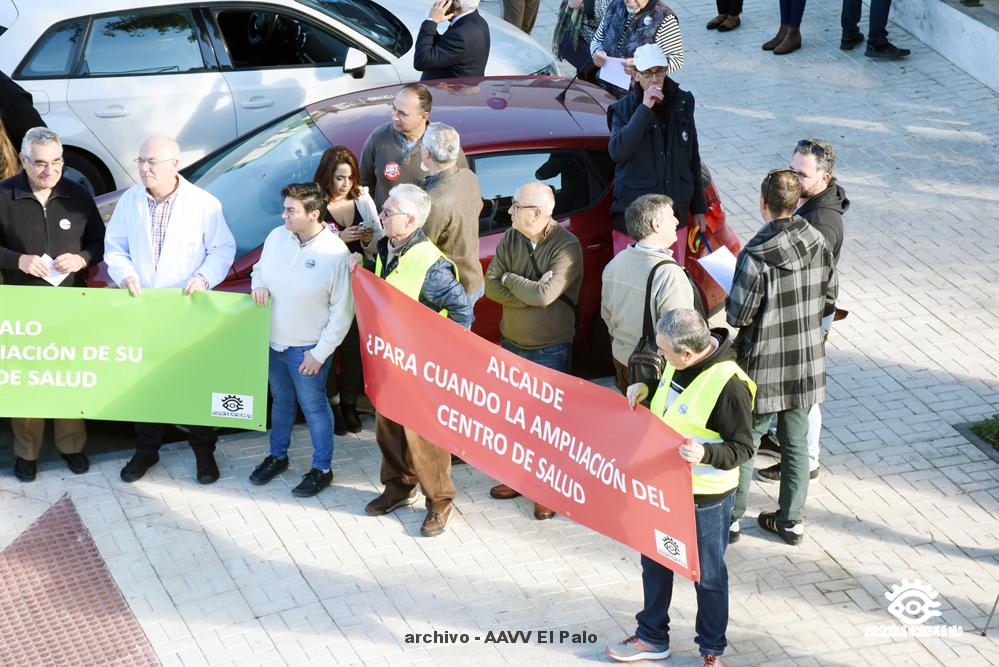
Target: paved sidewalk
[(243, 575)]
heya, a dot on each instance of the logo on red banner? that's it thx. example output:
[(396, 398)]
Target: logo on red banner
[(392, 171)]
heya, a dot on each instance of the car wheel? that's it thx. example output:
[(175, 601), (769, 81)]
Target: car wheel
[(81, 170)]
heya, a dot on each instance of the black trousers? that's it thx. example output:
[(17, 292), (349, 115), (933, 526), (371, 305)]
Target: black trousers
[(729, 7), (149, 438), (349, 382)]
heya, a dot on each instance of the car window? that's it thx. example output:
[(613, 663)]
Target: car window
[(247, 176), (156, 42), (257, 39), (576, 183), (55, 52), (370, 19)]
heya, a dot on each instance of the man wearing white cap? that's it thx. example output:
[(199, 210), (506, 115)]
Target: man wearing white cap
[(653, 134)]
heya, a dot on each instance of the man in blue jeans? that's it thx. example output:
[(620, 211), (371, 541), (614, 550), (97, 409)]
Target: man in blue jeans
[(707, 398), (878, 45), (535, 276)]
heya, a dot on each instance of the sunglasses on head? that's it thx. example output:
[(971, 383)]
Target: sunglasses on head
[(811, 147)]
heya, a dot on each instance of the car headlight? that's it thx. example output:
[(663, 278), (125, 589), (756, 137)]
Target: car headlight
[(548, 70)]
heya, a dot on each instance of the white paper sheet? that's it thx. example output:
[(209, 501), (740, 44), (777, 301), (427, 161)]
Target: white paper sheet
[(720, 265), (613, 72), (54, 277)]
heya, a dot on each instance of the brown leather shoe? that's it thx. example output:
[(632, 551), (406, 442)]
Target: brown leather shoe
[(542, 513), (384, 504), (716, 21), (730, 23), (792, 42), (778, 38), (503, 492), (435, 522)]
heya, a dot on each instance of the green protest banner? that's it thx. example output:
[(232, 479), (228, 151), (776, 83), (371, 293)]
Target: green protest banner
[(159, 357)]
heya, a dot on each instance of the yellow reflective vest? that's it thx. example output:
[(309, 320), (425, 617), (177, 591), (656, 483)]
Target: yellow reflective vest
[(688, 412), (411, 269)]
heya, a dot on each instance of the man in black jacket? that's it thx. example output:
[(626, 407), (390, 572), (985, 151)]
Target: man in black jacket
[(654, 143), (461, 51), (16, 111), (48, 224)]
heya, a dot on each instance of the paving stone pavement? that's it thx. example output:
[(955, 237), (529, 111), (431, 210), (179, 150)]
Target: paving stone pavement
[(243, 575)]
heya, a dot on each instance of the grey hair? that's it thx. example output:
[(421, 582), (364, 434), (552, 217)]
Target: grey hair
[(640, 213), (685, 329), (468, 5), (40, 136), (443, 143), (825, 162), (412, 200)]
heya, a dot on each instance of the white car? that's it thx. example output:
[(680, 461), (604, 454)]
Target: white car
[(207, 72)]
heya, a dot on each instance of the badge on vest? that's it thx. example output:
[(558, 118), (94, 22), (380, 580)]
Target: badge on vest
[(684, 135), (647, 20), (310, 263), (392, 171), (64, 224), (682, 409)]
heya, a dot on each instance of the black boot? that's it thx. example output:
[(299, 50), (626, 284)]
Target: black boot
[(351, 420), (338, 423)]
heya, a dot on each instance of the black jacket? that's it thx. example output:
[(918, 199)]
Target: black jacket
[(461, 51), (17, 111), (646, 162), (825, 212), (69, 223)]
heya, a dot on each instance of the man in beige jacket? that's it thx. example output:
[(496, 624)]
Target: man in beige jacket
[(651, 222)]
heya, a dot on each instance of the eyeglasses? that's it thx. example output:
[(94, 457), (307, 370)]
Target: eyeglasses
[(768, 182), (518, 207), (388, 214), (41, 165), (653, 73), (811, 147), (151, 162)]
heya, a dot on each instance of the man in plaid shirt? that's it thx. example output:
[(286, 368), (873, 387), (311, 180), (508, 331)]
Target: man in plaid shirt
[(784, 280)]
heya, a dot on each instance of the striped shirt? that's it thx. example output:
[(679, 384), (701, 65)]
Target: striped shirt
[(159, 220), (667, 39)]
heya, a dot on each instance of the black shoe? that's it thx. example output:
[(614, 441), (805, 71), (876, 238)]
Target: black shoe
[(312, 483), (886, 51), (455, 461), (207, 469), (769, 446), (772, 474), (791, 532), (77, 463), (137, 466), (847, 43), (338, 427), (25, 470), (733, 532), (351, 420), (270, 468)]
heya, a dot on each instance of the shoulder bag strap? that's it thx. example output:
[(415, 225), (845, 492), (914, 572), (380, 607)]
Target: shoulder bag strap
[(647, 323)]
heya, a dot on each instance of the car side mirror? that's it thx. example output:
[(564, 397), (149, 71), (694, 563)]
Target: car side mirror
[(355, 62)]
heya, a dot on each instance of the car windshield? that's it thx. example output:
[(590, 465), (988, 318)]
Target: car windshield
[(247, 176), (370, 19)]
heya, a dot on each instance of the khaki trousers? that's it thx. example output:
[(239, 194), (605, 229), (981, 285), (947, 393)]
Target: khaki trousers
[(408, 459), (70, 436), (521, 13)]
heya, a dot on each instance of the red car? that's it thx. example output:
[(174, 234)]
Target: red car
[(513, 130)]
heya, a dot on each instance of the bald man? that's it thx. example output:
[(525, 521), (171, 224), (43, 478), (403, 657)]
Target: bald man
[(535, 276), (167, 233)]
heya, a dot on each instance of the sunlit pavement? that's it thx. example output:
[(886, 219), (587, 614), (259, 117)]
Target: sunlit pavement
[(236, 574)]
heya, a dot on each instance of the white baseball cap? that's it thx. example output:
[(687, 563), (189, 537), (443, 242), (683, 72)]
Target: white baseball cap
[(648, 56)]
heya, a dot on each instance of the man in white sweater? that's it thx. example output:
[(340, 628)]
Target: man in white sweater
[(166, 232), (651, 222)]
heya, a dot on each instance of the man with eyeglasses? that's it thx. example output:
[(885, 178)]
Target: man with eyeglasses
[(653, 142), (823, 203), (167, 233), (536, 276), (48, 225), (408, 261), (784, 280)]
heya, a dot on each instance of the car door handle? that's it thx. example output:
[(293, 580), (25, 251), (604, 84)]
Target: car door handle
[(257, 102), (112, 111)]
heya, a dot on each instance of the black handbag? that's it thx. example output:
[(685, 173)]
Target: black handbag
[(569, 44), (645, 365)]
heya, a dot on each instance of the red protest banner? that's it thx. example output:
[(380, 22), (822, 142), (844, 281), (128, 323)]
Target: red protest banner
[(568, 444)]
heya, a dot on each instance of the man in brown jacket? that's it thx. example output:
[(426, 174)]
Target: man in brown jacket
[(453, 225), (536, 275)]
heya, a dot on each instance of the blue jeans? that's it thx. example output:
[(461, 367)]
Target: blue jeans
[(712, 592), (555, 357), (291, 389), (791, 12)]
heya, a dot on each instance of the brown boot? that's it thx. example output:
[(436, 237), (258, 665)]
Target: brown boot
[(792, 42), (731, 23), (542, 513), (778, 38), (716, 21)]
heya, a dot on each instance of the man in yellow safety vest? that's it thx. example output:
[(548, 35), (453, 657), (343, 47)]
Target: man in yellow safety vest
[(707, 398), (408, 261)]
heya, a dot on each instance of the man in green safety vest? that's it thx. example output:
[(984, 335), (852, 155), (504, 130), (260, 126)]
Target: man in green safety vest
[(413, 265), (707, 398)]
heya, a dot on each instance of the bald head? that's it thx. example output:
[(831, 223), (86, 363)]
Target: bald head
[(537, 194), (160, 144), (159, 159)]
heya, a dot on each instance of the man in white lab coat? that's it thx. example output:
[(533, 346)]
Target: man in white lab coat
[(166, 232)]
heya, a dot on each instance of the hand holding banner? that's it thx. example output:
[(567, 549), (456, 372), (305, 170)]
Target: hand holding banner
[(568, 444)]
